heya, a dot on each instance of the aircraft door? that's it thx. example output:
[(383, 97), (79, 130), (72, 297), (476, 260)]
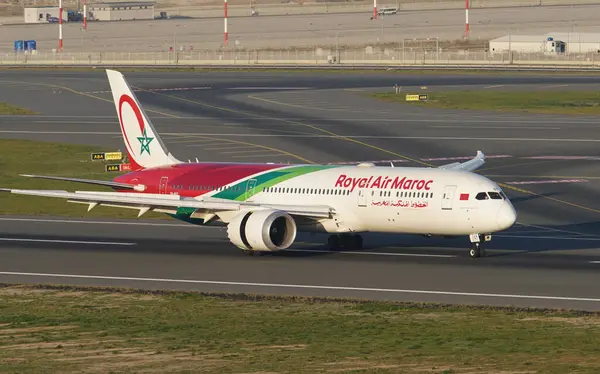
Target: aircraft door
[(162, 187), (362, 198), (448, 197), (250, 188)]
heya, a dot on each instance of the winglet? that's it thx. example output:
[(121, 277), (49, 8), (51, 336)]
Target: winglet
[(144, 146), (470, 165)]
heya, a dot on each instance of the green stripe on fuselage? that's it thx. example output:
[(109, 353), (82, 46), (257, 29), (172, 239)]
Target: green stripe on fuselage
[(238, 191)]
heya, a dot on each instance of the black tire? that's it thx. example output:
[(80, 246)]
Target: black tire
[(359, 241), (334, 242), (475, 251)]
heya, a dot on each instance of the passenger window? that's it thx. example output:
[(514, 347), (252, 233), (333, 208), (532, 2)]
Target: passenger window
[(495, 195), (482, 196)]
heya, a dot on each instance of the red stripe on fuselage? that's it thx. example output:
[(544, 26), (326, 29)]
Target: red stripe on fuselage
[(197, 174)]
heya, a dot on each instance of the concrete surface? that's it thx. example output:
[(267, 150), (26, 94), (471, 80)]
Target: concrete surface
[(303, 30), (549, 259)]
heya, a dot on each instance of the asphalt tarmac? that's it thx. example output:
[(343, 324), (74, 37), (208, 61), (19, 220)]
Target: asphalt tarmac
[(548, 164)]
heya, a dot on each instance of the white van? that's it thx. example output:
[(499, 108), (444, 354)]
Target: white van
[(387, 10)]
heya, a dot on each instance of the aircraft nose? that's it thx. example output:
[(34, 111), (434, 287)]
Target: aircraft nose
[(507, 216)]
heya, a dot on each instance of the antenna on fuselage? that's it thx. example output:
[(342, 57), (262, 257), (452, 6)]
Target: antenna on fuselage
[(391, 164)]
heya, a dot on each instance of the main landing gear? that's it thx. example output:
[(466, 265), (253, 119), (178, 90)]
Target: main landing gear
[(478, 245), (250, 252), (352, 241)]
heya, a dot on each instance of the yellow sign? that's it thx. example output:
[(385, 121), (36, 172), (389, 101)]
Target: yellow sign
[(113, 167), (113, 155), (107, 156), (420, 97)]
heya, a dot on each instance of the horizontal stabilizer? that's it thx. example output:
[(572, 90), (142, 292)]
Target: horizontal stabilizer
[(87, 181)]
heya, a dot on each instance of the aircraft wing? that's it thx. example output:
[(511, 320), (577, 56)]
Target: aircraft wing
[(145, 202), (471, 165)]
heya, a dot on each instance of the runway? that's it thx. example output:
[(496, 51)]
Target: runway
[(549, 259)]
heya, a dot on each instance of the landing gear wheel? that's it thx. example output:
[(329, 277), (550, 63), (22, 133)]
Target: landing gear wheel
[(250, 252), (477, 250), (352, 241), (358, 241), (334, 242)]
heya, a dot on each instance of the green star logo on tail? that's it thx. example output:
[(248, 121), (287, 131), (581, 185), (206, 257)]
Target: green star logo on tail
[(145, 142)]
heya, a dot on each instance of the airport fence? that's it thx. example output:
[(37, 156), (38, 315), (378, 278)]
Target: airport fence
[(388, 57)]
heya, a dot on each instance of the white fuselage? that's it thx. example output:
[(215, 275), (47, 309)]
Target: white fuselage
[(397, 200)]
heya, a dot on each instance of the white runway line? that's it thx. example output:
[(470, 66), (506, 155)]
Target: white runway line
[(270, 88), (461, 158), (303, 286), (546, 237), (245, 135), (156, 89), (63, 241), (550, 181), (102, 222), (562, 158), (497, 127)]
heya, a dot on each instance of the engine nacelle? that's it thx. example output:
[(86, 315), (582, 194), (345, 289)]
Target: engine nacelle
[(262, 230)]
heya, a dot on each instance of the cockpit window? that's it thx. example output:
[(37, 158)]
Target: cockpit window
[(495, 195), (482, 196)]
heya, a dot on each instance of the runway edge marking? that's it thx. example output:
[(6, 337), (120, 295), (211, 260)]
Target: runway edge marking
[(98, 222), (305, 286), (63, 241)]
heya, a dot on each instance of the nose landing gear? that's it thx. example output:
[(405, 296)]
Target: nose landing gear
[(478, 245)]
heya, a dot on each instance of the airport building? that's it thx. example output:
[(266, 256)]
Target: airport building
[(42, 14), (550, 43), (120, 11)]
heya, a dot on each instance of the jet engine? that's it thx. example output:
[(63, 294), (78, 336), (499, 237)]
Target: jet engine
[(262, 230)]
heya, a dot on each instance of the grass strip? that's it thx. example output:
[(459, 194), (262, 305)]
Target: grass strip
[(54, 159), (55, 329), (8, 109), (549, 102)]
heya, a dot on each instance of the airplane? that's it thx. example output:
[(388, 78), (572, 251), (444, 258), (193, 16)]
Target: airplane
[(265, 205)]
